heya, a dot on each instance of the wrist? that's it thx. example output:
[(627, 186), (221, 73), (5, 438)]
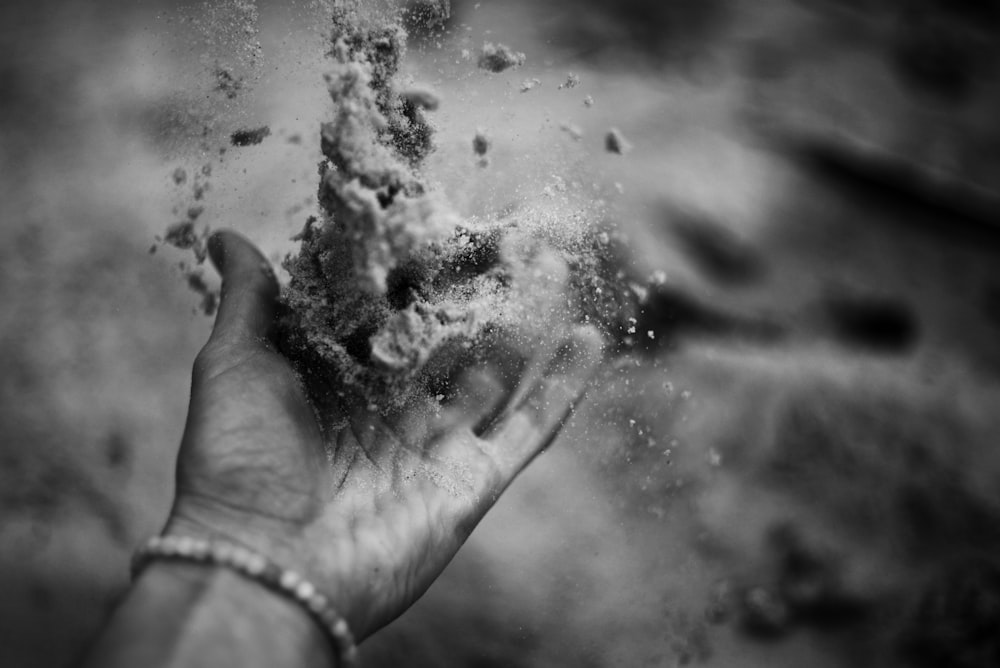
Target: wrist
[(287, 546), (277, 540), (198, 615), (248, 609)]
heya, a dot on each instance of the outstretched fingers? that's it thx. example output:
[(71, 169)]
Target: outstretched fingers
[(542, 406)]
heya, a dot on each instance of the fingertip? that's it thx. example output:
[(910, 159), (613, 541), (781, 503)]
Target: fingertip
[(236, 256), (249, 286), (473, 397), (581, 350)]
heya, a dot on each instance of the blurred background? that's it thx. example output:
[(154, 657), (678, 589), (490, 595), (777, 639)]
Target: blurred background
[(794, 458)]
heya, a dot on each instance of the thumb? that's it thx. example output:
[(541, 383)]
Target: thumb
[(247, 306)]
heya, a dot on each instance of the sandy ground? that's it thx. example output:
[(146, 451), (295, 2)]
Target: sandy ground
[(822, 363)]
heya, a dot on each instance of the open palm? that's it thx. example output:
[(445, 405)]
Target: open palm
[(370, 509)]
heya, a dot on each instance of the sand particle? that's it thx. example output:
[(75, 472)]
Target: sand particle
[(615, 142), (499, 57)]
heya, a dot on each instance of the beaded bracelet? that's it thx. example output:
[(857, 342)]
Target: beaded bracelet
[(260, 569)]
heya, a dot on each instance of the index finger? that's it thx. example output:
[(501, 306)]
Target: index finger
[(536, 419)]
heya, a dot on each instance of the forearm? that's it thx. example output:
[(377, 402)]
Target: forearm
[(180, 615)]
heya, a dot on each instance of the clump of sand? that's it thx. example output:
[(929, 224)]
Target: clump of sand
[(422, 98), (572, 81), (497, 58), (391, 289), (390, 277), (530, 84), (481, 142), (185, 235), (250, 136), (615, 142)]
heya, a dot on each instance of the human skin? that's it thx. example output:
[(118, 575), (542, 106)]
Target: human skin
[(370, 521)]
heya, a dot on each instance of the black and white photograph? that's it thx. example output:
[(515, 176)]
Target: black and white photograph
[(500, 333)]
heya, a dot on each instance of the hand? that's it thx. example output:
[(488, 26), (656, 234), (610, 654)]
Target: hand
[(372, 510)]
